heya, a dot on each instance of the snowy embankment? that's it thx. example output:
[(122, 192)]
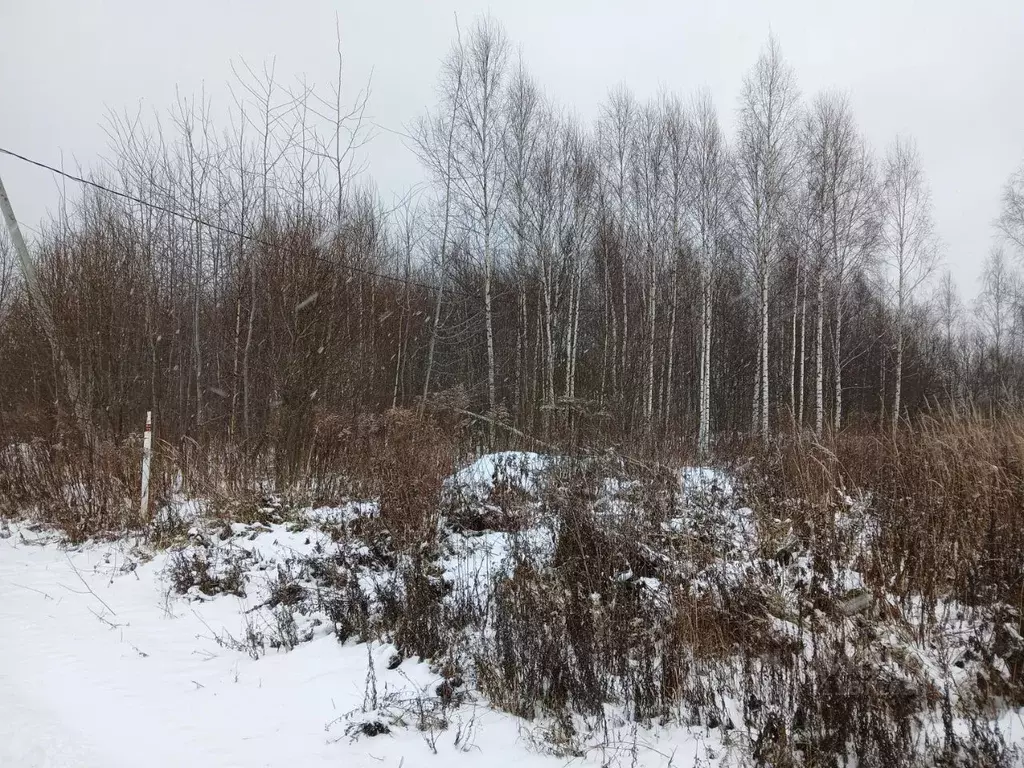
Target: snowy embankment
[(103, 665), (246, 644)]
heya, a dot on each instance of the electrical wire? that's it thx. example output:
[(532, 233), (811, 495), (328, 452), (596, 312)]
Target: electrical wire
[(221, 228)]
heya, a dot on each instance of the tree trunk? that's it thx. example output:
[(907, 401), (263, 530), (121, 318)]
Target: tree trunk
[(549, 355), (652, 310), (246, 350), (764, 354), (803, 355), (704, 401), (492, 392), (837, 361), (670, 353), (756, 411), (898, 376), (792, 348), (819, 357), (521, 331)]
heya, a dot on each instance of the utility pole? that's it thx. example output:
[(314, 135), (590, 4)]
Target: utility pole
[(28, 272)]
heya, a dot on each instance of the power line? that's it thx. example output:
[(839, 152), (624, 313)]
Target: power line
[(221, 228)]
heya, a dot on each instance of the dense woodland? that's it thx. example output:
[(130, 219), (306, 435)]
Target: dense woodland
[(645, 278)]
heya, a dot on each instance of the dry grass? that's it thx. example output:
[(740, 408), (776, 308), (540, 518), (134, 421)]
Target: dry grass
[(930, 515), (947, 494), (83, 492)]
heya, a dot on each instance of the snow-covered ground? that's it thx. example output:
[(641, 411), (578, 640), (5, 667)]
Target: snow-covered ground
[(99, 668), (102, 665), (105, 662)]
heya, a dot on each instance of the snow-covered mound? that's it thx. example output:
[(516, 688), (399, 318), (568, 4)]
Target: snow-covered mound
[(511, 470)]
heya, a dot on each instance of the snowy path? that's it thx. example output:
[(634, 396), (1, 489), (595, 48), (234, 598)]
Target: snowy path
[(30, 736), (154, 689)]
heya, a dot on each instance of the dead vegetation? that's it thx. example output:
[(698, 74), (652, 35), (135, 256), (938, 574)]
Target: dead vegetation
[(788, 613)]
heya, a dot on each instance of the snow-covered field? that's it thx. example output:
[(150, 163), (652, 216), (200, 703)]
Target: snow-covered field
[(99, 668), (108, 660), (103, 666)]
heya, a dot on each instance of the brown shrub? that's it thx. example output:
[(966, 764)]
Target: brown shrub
[(81, 491)]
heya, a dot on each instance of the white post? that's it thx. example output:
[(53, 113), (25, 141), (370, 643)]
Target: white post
[(147, 454)]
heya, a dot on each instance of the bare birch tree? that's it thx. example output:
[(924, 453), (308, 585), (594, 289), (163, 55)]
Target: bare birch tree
[(842, 197), (679, 147), (709, 195), (1011, 220), (766, 165), (996, 307), (648, 188), (615, 141), (526, 113), (480, 171), (908, 236), (434, 140)]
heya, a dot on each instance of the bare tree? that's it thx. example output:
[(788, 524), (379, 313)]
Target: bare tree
[(526, 113), (647, 187), (679, 140), (615, 141), (950, 308), (1011, 220), (479, 163), (766, 166), (193, 122), (911, 251), (842, 196), (577, 227), (266, 119), (818, 139), (996, 308), (545, 198), (348, 129), (434, 141), (709, 194)]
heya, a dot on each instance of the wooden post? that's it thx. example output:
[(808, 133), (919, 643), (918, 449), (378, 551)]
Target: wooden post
[(147, 455)]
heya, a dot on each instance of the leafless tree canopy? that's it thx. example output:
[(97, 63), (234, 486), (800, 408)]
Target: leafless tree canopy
[(647, 277)]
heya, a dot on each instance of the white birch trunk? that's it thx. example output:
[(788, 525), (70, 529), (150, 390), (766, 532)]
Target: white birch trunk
[(652, 309), (803, 355), (819, 357), (764, 354), (704, 400), (837, 363), (667, 407), (492, 391)]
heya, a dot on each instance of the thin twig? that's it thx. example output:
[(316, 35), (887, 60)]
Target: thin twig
[(105, 620), (86, 585)]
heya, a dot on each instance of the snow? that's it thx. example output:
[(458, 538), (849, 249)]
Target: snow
[(103, 665), (470, 563), (701, 481), (521, 470), (344, 514), (102, 668)]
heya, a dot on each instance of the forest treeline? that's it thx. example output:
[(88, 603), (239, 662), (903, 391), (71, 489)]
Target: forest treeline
[(647, 277)]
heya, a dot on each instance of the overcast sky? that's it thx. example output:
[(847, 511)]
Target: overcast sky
[(948, 72)]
